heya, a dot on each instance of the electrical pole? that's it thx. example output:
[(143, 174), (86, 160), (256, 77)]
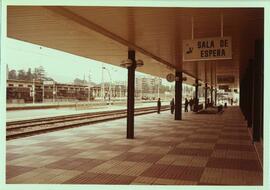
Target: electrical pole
[(43, 91), (158, 87), (120, 89), (89, 85), (34, 91), (102, 83), (110, 87), (54, 91), (141, 84)]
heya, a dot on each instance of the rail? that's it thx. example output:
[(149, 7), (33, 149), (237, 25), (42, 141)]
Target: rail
[(18, 129)]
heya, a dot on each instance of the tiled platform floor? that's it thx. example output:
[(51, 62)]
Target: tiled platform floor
[(199, 150)]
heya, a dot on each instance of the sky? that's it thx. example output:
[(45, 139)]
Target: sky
[(61, 66)]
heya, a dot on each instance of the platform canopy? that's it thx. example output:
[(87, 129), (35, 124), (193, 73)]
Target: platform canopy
[(155, 33)]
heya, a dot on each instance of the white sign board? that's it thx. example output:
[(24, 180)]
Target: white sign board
[(48, 82), (207, 49)]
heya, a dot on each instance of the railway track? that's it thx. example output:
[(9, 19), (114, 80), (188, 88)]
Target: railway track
[(23, 128)]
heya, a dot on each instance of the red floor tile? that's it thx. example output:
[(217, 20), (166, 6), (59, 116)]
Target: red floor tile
[(80, 164), (241, 130), (12, 156), (183, 173), (115, 147), (238, 137), (207, 132), (63, 152), (236, 147), (225, 163), (122, 179), (100, 140), (191, 151), (84, 178), (160, 143), (138, 157), (209, 184), (10, 147), (200, 140), (155, 170), (177, 135), (51, 143), (12, 171)]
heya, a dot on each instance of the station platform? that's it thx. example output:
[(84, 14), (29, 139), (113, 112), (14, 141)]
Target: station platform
[(202, 149)]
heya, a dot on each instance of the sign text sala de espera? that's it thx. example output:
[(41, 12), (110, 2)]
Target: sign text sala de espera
[(207, 49)]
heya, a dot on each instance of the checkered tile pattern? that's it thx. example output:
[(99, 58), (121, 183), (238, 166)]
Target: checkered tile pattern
[(199, 150)]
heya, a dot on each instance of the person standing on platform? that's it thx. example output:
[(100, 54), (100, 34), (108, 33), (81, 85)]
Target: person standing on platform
[(172, 105), (158, 106), (186, 105), (191, 104)]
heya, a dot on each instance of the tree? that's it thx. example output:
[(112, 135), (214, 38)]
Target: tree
[(79, 81), (12, 74), (21, 74), (29, 75), (39, 73)]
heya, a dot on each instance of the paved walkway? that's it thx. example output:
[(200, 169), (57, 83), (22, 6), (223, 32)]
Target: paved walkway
[(199, 150)]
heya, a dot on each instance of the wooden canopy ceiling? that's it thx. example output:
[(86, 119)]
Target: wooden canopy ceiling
[(156, 33)]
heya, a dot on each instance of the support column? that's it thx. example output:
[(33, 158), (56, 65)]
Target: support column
[(212, 95), (215, 97), (196, 99), (205, 95), (205, 89), (258, 91), (211, 83), (250, 91), (130, 95), (178, 95), (216, 86)]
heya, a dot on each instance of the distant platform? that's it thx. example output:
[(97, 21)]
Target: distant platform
[(41, 113), (78, 104)]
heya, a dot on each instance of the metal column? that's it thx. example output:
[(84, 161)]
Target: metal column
[(178, 95), (130, 95), (205, 95), (212, 95), (211, 83), (215, 97), (258, 91), (196, 96), (250, 90), (205, 89)]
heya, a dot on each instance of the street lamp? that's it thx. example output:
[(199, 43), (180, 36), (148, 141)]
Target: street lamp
[(129, 62), (54, 91), (34, 89), (102, 84), (89, 86), (110, 86), (157, 80)]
